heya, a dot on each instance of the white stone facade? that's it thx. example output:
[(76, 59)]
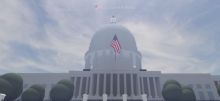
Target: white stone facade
[(121, 78)]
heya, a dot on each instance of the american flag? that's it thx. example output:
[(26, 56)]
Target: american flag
[(116, 45)]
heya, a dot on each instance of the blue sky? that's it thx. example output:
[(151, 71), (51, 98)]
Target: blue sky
[(174, 36)]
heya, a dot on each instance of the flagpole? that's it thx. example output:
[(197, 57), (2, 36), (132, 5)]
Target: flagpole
[(115, 57)]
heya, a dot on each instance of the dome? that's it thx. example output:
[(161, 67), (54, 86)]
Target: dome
[(102, 56), (102, 38)]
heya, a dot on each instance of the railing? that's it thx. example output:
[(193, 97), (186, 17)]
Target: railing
[(124, 97)]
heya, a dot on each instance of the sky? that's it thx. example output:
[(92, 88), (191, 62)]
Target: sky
[(52, 36)]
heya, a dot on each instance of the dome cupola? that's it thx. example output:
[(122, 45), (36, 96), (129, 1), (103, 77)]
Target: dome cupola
[(101, 54)]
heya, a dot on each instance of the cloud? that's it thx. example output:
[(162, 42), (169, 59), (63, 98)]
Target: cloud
[(52, 35), (162, 50), (40, 43)]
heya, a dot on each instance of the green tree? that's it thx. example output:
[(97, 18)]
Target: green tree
[(69, 84), (31, 94), (60, 92), (16, 82), (40, 89), (5, 87), (171, 82), (188, 94), (218, 89), (172, 91)]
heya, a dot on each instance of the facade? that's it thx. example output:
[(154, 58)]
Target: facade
[(114, 75)]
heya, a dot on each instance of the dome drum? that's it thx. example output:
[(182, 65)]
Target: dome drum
[(126, 59)]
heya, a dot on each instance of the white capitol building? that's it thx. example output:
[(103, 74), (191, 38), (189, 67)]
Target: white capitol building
[(103, 75)]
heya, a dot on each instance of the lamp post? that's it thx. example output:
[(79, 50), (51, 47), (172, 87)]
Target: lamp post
[(105, 97), (2, 97), (124, 97), (85, 97), (144, 97)]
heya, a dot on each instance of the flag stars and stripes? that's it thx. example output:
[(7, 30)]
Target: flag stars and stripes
[(116, 45)]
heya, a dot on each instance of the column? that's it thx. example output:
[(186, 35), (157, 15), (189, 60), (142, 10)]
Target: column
[(155, 87), (138, 85), (91, 84), (118, 84), (104, 84), (142, 85), (159, 88), (77, 81), (111, 85), (74, 82), (80, 87), (133, 60), (148, 85), (125, 84), (132, 85), (97, 85), (86, 85)]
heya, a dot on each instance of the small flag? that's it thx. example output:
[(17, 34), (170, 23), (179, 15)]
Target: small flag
[(116, 45)]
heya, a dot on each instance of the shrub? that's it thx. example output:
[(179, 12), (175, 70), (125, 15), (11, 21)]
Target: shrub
[(69, 84), (171, 82), (60, 92), (172, 92), (5, 87), (31, 94), (218, 89), (40, 89), (16, 82), (188, 94)]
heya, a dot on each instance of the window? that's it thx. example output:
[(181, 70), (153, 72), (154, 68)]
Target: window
[(210, 95), (201, 95), (199, 86)]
